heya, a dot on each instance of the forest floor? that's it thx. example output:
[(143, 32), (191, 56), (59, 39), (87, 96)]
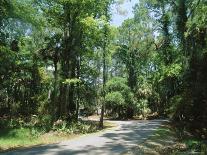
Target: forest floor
[(125, 136)]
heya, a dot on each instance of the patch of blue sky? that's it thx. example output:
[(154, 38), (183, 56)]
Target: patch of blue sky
[(123, 12)]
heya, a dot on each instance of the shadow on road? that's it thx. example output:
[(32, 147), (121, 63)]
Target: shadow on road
[(116, 141)]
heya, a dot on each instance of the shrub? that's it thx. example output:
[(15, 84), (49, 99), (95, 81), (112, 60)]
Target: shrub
[(114, 99), (142, 107)]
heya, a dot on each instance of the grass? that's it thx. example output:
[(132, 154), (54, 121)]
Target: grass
[(195, 145), (24, 137), (11, 138), (164, 141)]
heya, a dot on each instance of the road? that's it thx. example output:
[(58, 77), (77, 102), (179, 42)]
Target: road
[(110, 142)]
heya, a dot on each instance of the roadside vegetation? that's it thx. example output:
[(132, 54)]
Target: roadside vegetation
[(19, 133), (166, 140)]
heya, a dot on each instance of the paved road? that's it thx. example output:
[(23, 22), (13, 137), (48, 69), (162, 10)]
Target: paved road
[(110, 142)]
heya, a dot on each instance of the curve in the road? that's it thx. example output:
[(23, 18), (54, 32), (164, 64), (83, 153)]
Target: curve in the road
[(110, 142)]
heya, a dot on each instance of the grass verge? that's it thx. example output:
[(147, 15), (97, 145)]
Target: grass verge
[(20, 138), (165, 142)]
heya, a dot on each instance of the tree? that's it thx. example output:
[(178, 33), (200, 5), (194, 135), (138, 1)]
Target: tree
[(135, 40), (118, 97)]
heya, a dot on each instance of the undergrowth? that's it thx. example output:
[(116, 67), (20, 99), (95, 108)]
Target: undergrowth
[(18, 133)]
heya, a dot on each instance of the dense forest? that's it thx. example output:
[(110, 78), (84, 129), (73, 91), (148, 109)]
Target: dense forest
[(60, 59)]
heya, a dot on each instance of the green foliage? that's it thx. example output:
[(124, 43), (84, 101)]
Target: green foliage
[(173, 70), (14, 137), (80, 127), (117, 84), (119, 96), (7, 59), (114, 99), (175, 103), (24, 137), (59, 56), (143, 108), (199, 19), (7, 123), (72, 81)]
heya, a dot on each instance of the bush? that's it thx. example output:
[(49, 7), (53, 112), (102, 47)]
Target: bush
[(142, 107), (114, 99), (75, 127), (119, 98), (175, 104), (6, 123), (117, 84)]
